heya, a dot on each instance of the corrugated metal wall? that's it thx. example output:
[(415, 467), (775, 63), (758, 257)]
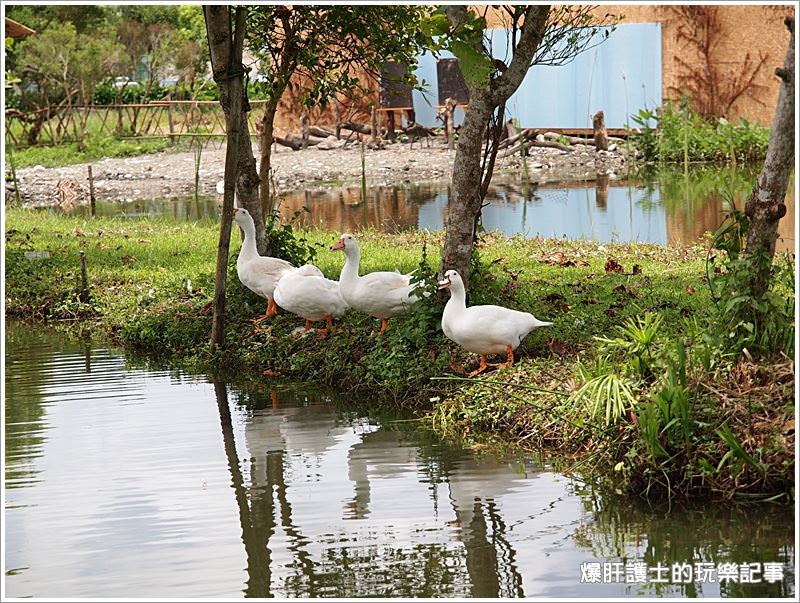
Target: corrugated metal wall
[(620, 76)]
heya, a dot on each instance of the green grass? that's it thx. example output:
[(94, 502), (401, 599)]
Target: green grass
[(92, 150), (151, 284)]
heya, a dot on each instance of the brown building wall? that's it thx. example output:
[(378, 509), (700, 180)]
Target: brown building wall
[(744, 29)]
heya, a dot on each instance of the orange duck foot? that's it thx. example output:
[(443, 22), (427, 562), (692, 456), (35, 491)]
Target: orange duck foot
[(483, 366)]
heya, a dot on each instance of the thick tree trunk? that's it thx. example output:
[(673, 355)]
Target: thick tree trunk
[(766, 205), (219, 36), (464, 207), (218, 25), (468, 183)]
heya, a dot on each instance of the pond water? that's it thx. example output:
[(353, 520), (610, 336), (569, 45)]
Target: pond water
[(661, 207), (124, 481)]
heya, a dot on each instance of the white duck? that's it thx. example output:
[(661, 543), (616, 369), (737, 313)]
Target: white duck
[(483, 329), (258, 273), (379, 294), (306, 292)]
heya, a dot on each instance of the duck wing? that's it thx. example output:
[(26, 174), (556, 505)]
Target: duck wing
[(386, 280), (269, 267)]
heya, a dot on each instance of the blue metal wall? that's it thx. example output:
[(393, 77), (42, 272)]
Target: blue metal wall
[(620, 76)]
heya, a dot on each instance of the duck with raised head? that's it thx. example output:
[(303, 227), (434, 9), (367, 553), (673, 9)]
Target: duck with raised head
[(258, 273), (484, 330), (379, 294), (306, 292)]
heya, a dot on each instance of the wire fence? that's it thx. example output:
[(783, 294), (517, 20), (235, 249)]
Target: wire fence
[(175, 120)]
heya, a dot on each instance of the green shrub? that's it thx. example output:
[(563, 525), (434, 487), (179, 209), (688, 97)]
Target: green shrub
[(681, 134), (761, 324)]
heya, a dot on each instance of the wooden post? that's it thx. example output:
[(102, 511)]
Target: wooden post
[(304, 128), (450, 108), (374, 123), (11, 163), (511, 128), (171, 124), (390, 126), (600, 134), (84, 293), (92, 203)]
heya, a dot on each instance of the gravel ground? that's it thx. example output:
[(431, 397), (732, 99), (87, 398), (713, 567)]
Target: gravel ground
[(171, 174)]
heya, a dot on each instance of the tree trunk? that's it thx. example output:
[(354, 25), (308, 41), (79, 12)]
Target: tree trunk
[(266, 135), (468, 183), (766, 205), (464, 206), (218, 25), (219, 36)]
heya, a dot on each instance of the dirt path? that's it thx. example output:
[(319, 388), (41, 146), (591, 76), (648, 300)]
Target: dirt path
[(171, 174)]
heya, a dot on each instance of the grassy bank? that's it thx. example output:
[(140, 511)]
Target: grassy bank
[(719, 426), (92, 149)]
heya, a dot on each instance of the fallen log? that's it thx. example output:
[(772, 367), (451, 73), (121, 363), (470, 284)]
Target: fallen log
[(321, 131), (570, 139), (287, 143), (523, 137), (536, 143), (295, 142), (356, 127), (527, 134)]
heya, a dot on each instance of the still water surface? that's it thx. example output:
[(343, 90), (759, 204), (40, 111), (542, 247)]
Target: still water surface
[(123, 481), (661, 207)]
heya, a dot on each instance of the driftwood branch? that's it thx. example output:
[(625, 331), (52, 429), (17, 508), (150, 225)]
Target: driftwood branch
[(321, 131), (356, 127)]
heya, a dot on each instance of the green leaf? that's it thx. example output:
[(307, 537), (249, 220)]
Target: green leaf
[(437, 25), (736, 448), (475, 66)]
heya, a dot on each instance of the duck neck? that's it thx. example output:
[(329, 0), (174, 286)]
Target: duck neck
[(249, 251), (458, 298), (350, 269)]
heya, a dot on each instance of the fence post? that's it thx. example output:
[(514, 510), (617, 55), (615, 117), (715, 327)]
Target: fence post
[(92, 206), (171, 126)]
